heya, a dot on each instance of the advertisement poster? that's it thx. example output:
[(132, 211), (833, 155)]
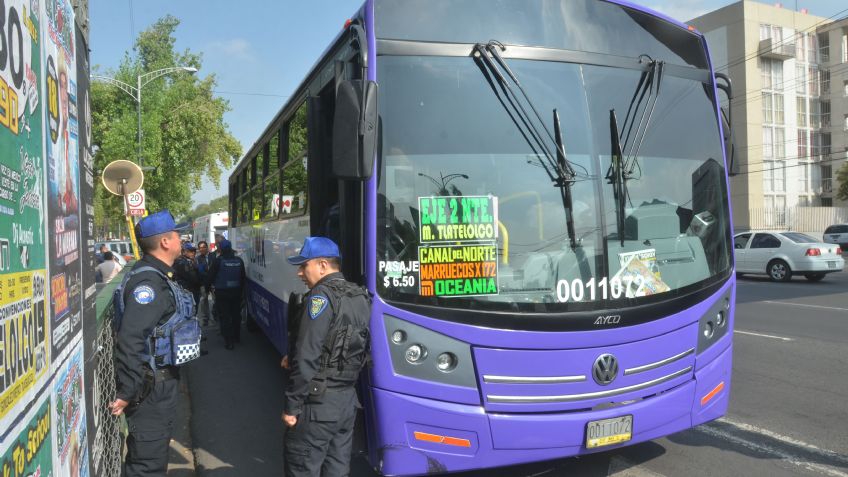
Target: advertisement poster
[(62, 150), (24, 342), (70, 427), (29, 453)]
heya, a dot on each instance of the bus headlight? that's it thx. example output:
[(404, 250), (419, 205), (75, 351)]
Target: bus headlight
[(446, 362), (713, 324), (421, 353)]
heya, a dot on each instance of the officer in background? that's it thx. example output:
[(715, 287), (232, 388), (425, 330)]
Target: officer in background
[(332, 347), (227, 276), (203, 260), (146, 395), (186, 271)]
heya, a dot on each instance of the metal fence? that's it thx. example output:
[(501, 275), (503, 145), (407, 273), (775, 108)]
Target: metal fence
[(803, 219)]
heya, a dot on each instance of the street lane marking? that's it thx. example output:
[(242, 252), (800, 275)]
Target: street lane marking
[(804, 305), (735, 432), (762, 335)]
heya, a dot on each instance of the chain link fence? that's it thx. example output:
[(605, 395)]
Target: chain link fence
[(108, 430)]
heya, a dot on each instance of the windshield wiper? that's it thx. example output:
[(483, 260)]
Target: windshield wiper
[(558, 168), (622, 168)]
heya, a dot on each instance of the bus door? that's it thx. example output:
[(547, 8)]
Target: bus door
[(337, 206)]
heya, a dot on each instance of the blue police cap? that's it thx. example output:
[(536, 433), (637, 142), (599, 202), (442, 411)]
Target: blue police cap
[(155, 224), (315, 247), (225, 244), (189, 246)]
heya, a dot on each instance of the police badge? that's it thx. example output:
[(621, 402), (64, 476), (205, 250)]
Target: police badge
[(317, 305)]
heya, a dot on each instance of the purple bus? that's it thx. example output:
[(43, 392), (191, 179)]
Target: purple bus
[(536, 193)]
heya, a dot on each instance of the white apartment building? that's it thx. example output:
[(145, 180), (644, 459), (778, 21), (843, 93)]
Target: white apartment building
[(789, 143)]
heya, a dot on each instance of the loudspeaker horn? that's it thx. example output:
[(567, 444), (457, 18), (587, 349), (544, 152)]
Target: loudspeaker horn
[(122, 177)]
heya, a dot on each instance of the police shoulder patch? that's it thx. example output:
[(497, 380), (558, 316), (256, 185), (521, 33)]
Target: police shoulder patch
[(143, 294), (317, 305)]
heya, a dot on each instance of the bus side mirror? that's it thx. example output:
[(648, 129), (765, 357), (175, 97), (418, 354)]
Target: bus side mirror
[(723, 83), (355, 129)]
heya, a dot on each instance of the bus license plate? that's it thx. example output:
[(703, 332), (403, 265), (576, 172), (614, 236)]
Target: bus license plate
[(607, 432)]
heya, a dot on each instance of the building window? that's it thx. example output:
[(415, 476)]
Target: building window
[(803, 201), (778, 109), (800, 78), (768, 108), (779, 143), (768, 149), (826, 202), (804, 177), (814, 79), (815, 113), (824, 113), (768, 176), (845, 48), (825, 144), (815, 145), (800, 51), (812, 41), (824, 76), (801, 108), (824, 48), (779, 176), (803, 137)]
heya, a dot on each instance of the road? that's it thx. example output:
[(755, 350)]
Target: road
[(787, 414)]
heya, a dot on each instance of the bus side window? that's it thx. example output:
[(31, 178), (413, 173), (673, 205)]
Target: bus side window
[(293, 198)]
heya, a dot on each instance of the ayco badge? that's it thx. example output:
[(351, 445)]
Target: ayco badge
[(317, 305)]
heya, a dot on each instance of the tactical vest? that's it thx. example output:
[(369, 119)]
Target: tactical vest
[(229, 273), (173, 343), (347, 348)]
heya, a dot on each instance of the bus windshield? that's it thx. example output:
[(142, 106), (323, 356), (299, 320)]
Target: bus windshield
[(470, 215)]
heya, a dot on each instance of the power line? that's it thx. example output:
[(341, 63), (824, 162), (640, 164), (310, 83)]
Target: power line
[(828, 161)]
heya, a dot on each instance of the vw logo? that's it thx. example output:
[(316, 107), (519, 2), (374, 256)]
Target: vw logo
[(605, 369)]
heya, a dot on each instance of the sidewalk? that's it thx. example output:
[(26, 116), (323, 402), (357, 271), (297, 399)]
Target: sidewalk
[(230, 414)]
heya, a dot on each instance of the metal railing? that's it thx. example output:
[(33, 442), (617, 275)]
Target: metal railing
[(802, 219)]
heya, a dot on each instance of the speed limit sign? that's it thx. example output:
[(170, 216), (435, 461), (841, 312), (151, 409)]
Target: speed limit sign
[(135, 203)]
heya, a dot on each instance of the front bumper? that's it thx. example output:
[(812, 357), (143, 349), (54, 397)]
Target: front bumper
[(499, 439)]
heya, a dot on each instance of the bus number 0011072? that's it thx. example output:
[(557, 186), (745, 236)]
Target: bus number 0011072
[(603, 289)]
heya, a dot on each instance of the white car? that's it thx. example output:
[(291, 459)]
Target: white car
[(780, 254), (837, 234)]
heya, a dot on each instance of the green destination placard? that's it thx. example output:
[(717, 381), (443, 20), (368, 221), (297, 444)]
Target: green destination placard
[(458, 218), (458, 270)]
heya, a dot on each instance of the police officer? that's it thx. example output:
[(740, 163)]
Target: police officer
[(185, 269), (227, 276), (332, 347), (203, 261), (147, 391)]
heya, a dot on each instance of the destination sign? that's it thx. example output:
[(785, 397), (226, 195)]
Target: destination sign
[(458, 270), (459, 218)]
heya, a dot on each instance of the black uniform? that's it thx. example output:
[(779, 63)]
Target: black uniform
[(227, 275), (332, 347), (152, 395), (188, 276)]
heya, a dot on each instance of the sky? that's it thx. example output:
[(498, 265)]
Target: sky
[(260, 50)]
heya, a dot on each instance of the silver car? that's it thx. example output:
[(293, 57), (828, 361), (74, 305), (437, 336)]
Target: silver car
[(837, 234), (780, 254)]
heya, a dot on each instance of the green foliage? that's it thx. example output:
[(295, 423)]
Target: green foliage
[(184, 134), (219, 204), (842, 180)]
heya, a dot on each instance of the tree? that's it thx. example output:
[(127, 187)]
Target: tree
[(842, 180), (184, 134), (219, 204)]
